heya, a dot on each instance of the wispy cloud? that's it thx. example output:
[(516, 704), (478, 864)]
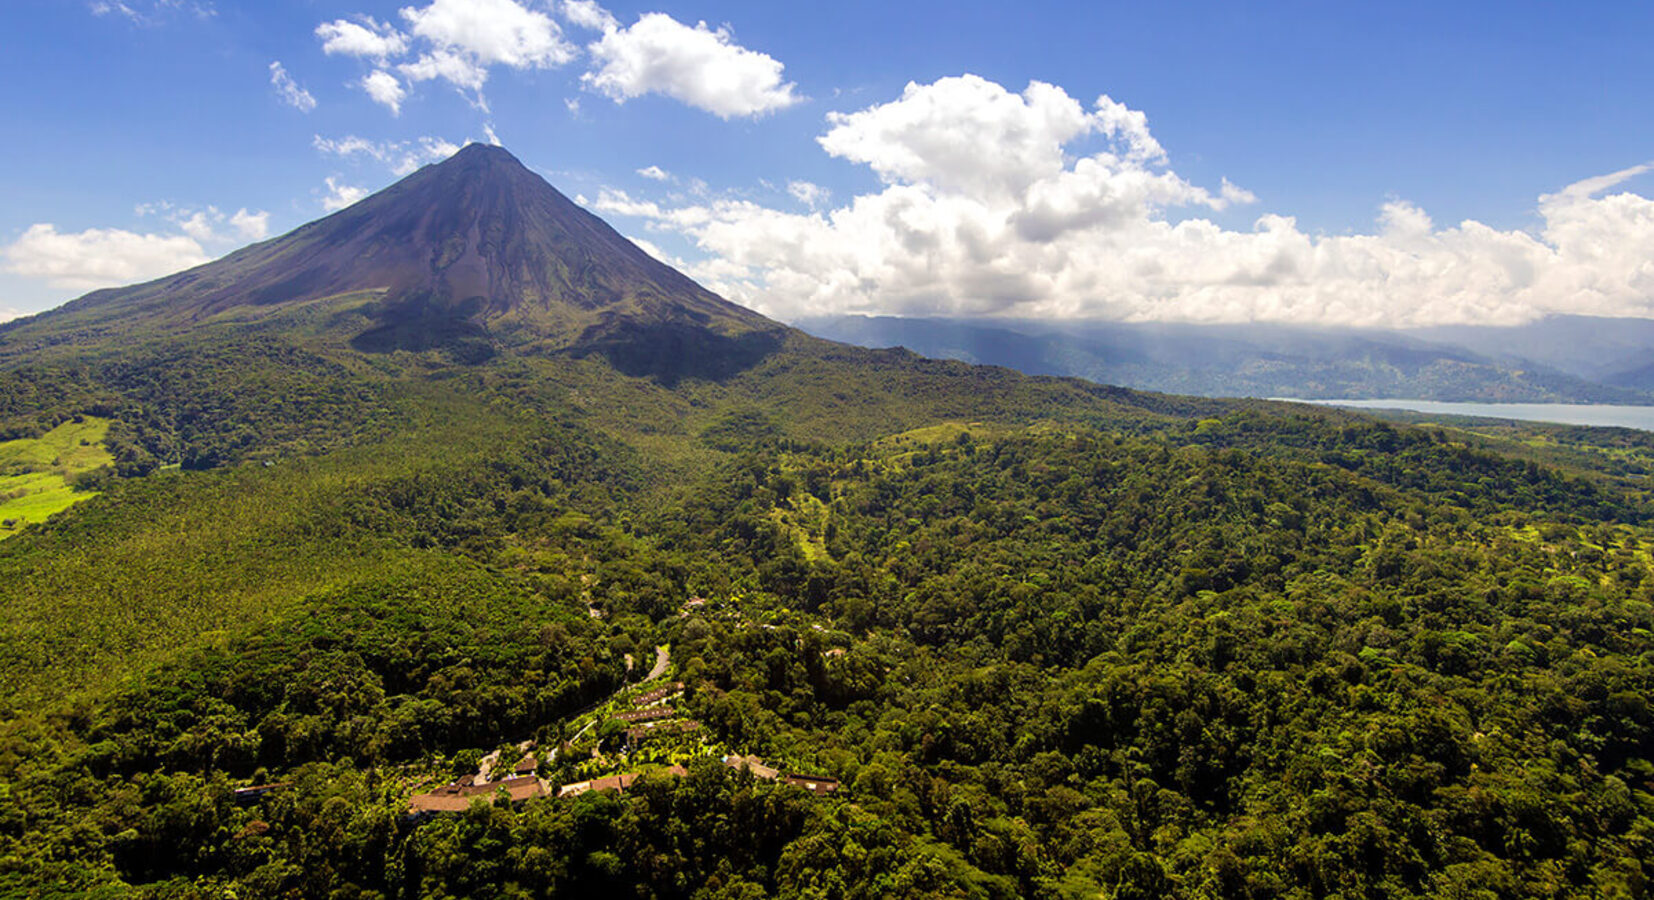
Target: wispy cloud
[(208, 224), (151, 12), (808, 193), (288, 90), (401, 157)]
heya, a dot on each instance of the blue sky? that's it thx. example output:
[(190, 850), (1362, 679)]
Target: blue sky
[(1305, 162)]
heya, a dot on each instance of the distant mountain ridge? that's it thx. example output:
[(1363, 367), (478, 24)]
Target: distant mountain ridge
[(1607, 350), (1262, 360)]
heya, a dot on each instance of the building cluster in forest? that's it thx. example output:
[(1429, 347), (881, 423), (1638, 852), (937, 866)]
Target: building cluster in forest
[(649, 716)]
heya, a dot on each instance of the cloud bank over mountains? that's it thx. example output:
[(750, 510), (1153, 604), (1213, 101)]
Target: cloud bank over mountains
[(99, 257), (106, 257), (992, 205)]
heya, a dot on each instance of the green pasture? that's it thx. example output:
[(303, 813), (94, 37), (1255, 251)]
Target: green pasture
[(35, 473)]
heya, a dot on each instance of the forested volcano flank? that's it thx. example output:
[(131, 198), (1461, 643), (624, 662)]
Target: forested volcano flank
[(401, 504), (469, 255)]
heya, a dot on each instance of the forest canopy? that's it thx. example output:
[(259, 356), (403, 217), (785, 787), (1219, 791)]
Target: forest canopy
[(1245, 655)]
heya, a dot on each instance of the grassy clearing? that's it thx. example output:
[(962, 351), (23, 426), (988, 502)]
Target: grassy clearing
[(805, 520), (67, 449), (933, 434), (35, 473)]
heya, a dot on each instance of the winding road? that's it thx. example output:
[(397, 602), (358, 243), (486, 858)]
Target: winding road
[(663, 660)]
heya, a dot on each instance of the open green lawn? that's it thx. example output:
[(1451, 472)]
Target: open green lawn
[(35, 472)]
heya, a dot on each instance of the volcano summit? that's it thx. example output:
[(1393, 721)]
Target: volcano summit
[(469, 256)]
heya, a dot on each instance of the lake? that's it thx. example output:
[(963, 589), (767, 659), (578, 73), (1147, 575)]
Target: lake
[(1599, 414)]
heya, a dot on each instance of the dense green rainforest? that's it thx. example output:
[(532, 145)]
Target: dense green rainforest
[(1087, 647), (303, 521)]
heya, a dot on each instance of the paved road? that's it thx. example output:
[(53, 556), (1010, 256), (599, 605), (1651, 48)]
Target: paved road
[(663, 658)]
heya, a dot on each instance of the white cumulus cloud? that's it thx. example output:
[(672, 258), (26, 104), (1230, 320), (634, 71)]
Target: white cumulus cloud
[(972, 135), (1033, 204), (249, 225), (368, 38), (385, 90), (589, 15), (697, 65), (457, 41), (655, 173), (465, 37), (463, 41), (98, 257), (288, 89)]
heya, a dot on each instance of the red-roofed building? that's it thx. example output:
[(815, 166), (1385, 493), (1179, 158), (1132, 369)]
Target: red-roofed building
[(815, 784), (457, 797), (648, 714), (660, 729), (752, 764), (613, 782)]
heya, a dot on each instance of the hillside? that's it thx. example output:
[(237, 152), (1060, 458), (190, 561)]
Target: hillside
[(404, 488)]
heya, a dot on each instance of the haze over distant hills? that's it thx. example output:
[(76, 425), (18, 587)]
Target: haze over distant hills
[(1566, 359)]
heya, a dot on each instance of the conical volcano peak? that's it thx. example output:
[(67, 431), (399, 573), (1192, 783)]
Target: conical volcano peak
[(476, 247), (478, 151), (486, 158), (482, 161)]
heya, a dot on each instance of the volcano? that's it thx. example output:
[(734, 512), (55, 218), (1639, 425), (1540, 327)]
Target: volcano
[(466, 257)]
